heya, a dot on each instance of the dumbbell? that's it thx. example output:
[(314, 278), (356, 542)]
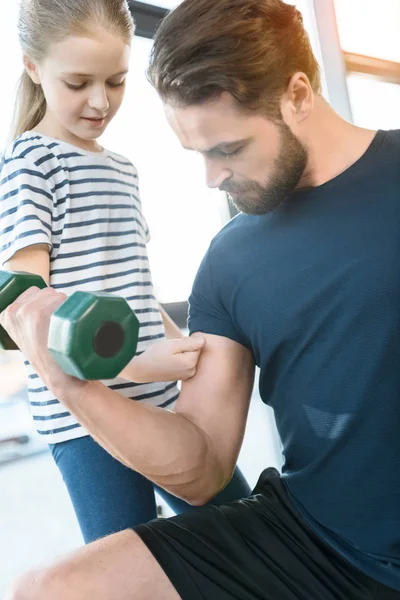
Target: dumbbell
[(91, 335)]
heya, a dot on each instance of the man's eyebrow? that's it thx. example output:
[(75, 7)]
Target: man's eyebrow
[(220, 146)]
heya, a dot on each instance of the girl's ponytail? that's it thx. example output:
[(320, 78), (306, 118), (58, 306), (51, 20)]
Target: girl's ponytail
[(30, 106)]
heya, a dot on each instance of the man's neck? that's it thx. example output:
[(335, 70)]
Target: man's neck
[(333, 144)]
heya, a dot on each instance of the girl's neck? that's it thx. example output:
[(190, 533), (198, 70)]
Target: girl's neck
[(49, 128)]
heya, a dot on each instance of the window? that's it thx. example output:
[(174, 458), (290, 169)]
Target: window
[(368, 34), (375, 103), (370, 28), (164, 3)]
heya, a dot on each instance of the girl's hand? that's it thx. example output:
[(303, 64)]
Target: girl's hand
[(169, 360)]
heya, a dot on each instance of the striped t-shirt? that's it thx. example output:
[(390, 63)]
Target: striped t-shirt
[(86, 207)]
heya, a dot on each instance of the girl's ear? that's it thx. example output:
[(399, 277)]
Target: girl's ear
[(32, 69)]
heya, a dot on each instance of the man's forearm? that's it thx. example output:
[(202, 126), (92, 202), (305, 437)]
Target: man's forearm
[(164, 446)]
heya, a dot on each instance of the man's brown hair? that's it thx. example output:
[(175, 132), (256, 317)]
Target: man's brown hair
[(249, 48)]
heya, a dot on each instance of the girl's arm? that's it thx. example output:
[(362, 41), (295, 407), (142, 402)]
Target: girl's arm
[(172, 359), (33, 259), (169, 360)]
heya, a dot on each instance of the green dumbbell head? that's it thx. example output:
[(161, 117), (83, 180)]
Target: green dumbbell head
[(12, 285), (93, 336)]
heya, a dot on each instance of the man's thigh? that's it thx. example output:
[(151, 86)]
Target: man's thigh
[(257, 548), (118, 567)]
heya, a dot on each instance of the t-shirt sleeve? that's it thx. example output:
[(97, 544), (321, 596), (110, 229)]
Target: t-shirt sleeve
[(26, 207), (207, 313), (145, 229), (143, 225)]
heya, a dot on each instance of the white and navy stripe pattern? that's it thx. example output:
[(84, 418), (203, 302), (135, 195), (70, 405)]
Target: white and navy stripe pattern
[(86, 207)]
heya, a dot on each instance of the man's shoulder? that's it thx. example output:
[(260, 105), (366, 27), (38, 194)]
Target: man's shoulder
[(241, 226), (394, 135), (390, 144), (241, 232)]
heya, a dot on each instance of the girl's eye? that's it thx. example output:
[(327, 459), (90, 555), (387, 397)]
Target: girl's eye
[(70, 86), (81, 86), (116, 85)]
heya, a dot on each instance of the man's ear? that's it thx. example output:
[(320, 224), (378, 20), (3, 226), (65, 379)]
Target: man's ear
[(31, 69), (298, 100)]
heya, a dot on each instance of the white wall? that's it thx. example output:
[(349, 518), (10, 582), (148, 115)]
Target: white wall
[(11, 65)]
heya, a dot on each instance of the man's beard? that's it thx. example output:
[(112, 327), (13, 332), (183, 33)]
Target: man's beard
[(255, 199)]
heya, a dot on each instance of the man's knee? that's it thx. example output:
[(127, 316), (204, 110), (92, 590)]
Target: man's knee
[(29, 587), (18, 591)]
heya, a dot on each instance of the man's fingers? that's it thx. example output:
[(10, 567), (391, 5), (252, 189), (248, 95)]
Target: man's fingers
[(45, 303), (34, 293), (29, 293), (32, 301)]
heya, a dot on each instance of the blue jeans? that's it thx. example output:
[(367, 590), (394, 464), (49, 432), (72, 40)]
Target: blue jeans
[(108, 497)]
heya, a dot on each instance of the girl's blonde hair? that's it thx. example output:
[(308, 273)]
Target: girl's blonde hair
[(43, 22)]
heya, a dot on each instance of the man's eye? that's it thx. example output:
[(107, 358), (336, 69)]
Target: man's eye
[(227, 153)]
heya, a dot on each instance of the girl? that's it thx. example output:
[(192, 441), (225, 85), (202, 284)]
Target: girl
[(70, 211)]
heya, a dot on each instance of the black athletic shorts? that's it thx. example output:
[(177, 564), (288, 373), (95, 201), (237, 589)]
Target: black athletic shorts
[(254, 549)]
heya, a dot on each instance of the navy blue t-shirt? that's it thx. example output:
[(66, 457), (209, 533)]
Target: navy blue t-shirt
[(313, 290)]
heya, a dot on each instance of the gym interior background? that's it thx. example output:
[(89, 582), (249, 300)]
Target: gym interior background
[(357, 44)]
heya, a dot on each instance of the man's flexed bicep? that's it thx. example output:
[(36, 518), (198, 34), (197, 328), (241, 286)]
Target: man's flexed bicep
[(217, 399)]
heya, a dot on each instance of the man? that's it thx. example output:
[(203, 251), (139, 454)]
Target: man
[(304, 283)]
